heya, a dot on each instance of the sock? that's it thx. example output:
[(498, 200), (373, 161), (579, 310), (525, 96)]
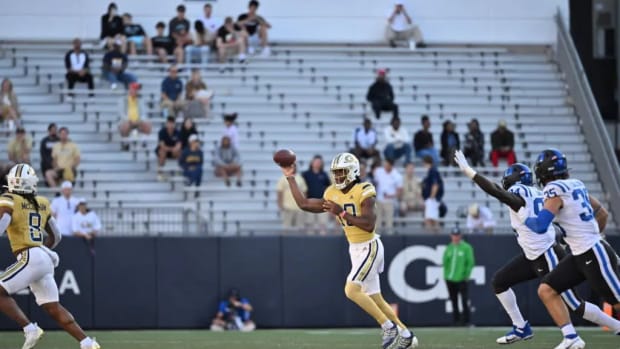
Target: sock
[(594, 314), (354, 293), (509, 302), (387, 310), (387, 325), (568, 331), (406, 333), (86, 342), (30, 327)]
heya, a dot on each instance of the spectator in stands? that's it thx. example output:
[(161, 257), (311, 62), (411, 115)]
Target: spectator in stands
[(172, 93), (256, 28), (234, 314), (9, 107), (114, 65), (77, 64), (179, 28), (191, 161), (230, 41), (230, 128), (401, 27), (136, 37), (211, 24), (365, 141), (480, 219), (381, 96), (85, 223), (364, 178), (389, 186), (164, 45), (412, 200), (423, 141), (474, 144), (133, 111), (450, 143), (197, 97), (502, 144), (19, 147), (45, 150), (397, 142), (458, 263), (188, 128), (63, 208), (200, 47), (432, 193), (227, 161), (65, 159), (169, 144), (317, 180), (292, 216), (111, 27)]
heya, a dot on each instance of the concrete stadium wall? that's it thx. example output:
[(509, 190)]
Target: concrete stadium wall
[(132, 283), (442, 21)]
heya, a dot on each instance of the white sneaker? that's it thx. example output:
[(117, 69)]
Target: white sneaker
[(93, 345), (266, 52), (575, 343), (251, 50), (114, 86), (412, 45), (32, 337)]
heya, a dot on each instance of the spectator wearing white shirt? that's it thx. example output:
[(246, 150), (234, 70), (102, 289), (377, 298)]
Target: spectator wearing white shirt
[(211, 24), (365, 140), (63, 207), (389, 185), (230, 129), (480, 219), (401, 27), (85, 223), (397, 140)]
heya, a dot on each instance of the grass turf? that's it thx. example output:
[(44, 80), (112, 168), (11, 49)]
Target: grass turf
[(430, 338)]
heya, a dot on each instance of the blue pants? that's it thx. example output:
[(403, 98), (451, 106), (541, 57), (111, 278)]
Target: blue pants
[(194, 177), (432, 152), (202, 52), (392, 153), (123, 77)]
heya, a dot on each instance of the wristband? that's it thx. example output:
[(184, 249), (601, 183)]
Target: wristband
[(342, 214)]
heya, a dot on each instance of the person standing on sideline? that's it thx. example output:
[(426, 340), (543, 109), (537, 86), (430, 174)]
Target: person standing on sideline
[(63, 208), (458, 262)]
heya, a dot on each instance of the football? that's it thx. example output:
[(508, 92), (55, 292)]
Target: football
[(284, 157)]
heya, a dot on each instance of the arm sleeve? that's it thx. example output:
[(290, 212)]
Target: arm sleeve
[(391, 92), (217, 159), (371, 92), (87, 61), (53, 230), (511, 199), (5, 221), (471, 261), (97, 223), (511, 139), (236, 156)]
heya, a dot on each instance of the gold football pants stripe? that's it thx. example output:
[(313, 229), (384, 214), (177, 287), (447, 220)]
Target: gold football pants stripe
[(15, 267)]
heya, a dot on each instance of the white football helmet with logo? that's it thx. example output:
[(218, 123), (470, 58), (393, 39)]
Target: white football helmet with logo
[(348, 168), (22, 179)]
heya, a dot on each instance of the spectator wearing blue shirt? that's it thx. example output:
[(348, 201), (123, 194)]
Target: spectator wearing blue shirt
[(114, 65), (432, 193), (233, 314), (450, 143), (317, 180), (169, 144), (191, 161), (172, 93)]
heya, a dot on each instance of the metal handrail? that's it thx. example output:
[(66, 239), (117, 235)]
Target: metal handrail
[(590, 120)]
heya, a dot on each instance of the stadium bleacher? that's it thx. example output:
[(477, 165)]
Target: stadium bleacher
[(307, 98)]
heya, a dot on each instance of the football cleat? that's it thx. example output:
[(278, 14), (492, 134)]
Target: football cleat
[(32, 337), (406, 342), (571, 343), (389, 337), (93, 345), (517, 334)]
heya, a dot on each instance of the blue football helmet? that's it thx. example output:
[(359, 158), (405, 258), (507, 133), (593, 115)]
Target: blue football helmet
[(517, 173), (551, 164)]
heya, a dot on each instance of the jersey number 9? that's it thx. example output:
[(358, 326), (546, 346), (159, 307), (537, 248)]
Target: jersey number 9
[(350, 209), (34, 224)]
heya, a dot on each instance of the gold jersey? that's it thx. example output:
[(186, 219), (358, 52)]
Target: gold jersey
[(27, 225), (352, 203)]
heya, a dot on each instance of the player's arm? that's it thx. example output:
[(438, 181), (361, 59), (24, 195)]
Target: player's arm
[(600, 213), (514, 201), (540, 223), (5, 216), (366, 221), (304, 203), (53, 234)]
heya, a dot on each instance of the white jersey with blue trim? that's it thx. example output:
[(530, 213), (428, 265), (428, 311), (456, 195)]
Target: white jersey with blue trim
[(532, 244), (576, 217)]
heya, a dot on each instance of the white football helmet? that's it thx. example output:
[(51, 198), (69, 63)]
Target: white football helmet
[(22, 179), (344, 170)]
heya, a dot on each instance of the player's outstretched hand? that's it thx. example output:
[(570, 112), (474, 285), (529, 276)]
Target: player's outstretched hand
[(289, 171), (460, 159), (332, 207)]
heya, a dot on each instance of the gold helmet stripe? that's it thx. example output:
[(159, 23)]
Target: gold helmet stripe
[(18, 171)]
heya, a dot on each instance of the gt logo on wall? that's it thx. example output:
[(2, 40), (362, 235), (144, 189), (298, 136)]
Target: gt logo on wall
[(433, 275)]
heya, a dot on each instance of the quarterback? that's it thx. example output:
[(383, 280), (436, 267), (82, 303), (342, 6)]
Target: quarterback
[(25, 215), (353, 203)]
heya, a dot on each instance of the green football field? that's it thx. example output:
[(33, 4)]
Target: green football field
[(431, 338)]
